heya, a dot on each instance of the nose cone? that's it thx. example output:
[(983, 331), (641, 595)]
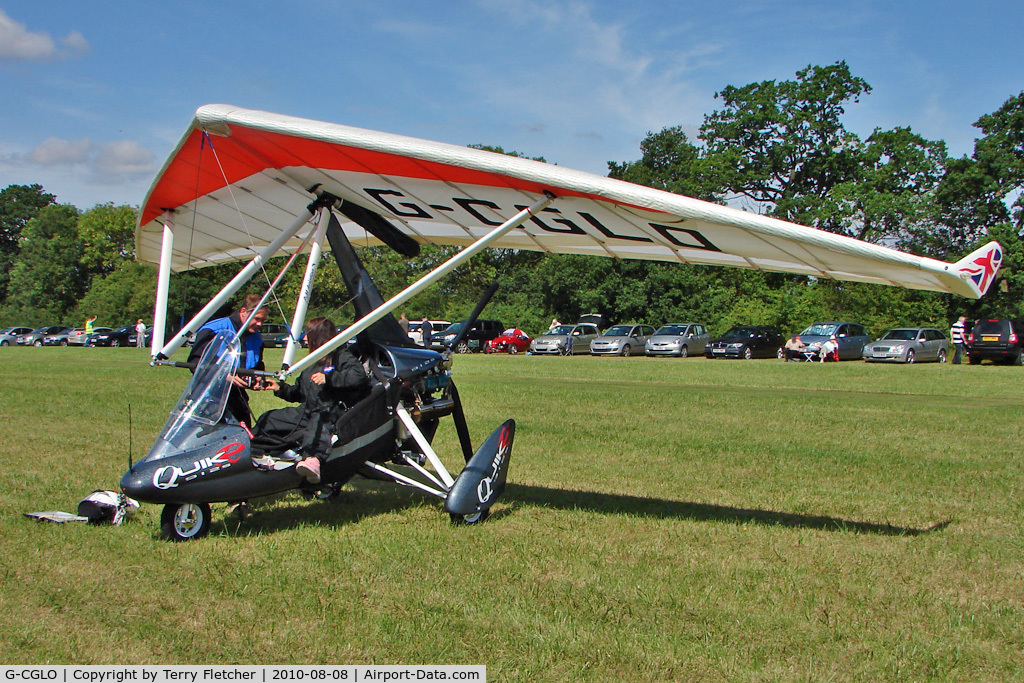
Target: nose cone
[(136, 485)]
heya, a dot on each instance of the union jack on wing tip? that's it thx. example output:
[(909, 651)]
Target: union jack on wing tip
[(984, 268)]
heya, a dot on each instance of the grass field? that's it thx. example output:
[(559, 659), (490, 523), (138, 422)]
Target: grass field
[(665, 520)]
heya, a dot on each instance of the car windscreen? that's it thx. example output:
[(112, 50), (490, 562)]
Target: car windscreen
[(992, 327), (619, 331), (820, 330), (561, 329), (740, 333), (671, 329), (900, 335), (454, 328)]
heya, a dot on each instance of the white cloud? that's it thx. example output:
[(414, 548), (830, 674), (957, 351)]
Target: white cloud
[(18, 44), (106, 163)]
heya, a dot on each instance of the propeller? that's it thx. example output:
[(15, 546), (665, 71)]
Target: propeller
[(471, 320)]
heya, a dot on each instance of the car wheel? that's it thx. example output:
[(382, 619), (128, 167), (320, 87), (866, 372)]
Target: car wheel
[(625, 350), (974, 360), (115, 342), (185, 521), (462, 347), (64, 342), (513, 349), (1018, 359), (683, 352), (475, 518), (748, 353), (910, 356), (781, 354), (5, 343), (942, 356), (37, 342)]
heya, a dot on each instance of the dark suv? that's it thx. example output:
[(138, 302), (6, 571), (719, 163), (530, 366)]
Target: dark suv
[(482, 332), (997, 340)]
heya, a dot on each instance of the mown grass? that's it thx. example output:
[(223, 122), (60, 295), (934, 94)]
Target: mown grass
[(665, 520)]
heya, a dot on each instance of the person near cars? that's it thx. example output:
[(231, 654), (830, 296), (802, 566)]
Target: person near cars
[(795, 348), (325, 390), (403, 322), (252, 351), (140, 334), (426, 329), (89, 325), (958, 335), (554, 324), (829, 350)]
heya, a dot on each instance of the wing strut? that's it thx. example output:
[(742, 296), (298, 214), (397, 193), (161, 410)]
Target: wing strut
[(412, 290)]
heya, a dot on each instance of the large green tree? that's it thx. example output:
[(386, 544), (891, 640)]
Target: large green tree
[(18, 205)]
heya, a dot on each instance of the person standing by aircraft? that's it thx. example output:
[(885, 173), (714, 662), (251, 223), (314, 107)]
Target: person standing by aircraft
[(427, 331), (140, 334), (252, 351), (403, 322), (957, 334), (325, 390)]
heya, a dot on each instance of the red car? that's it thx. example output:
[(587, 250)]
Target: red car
[(512, 340)]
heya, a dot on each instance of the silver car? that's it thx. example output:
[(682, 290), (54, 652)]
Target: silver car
[(565, 340), (621, 340), (9, 334), (851, 337), (678, 339), (909, 345)]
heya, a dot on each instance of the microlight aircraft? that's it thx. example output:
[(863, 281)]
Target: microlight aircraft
[(244, 186)]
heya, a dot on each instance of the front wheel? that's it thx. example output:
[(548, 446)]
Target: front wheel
[(185, 521), (115, 343), (910, 356), (748, 353), (462, 347), (475, 518), (683, 352), (513, 349), (625, 350), (942, 356), (37, 342), (5, 343)]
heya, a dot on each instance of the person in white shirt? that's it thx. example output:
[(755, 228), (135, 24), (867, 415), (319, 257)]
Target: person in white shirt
[(958, 335)]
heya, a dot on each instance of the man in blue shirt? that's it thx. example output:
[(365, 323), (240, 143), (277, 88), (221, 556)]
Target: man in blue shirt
[(252, 351)]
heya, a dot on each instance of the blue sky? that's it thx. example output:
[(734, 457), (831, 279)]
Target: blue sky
[(94, 95)]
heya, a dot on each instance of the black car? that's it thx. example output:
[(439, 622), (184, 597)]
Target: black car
[(996, 340), (475, 339), (122, 336), (746, 341)]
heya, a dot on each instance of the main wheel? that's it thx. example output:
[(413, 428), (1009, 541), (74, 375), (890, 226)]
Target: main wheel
[(625, 350), (748, 353), (910, 356), (462, 347), (185, 521), (470, 519), (513, 349)]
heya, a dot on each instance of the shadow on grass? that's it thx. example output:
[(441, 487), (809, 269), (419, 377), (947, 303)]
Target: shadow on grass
[(612, 503), (363, 499)]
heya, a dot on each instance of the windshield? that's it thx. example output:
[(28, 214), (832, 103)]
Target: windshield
[(900, 335), (672, 329), (740, 332), (561, 329), (204, 399), (619, 331), (820, 330), (455, 328)]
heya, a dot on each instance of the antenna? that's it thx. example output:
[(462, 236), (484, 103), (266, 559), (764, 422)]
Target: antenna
[(130, 465)]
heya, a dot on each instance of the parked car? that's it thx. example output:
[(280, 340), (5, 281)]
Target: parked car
[(851, 338), (511, 341), (436, 327), (64, 338), (621, 340), (996, 340), (275, 335), (746, 341), (908, 345), (122, 336), (35, 337), (565, 340), (482, 332), (9, 335), (677, 339)]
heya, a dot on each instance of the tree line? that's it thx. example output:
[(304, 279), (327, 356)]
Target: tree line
[(778, 148)]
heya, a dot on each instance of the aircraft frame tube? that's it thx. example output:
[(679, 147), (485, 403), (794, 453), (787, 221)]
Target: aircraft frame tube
[(412, 290), (163, 285), (302, 304), (421, 441), (236, 283)]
